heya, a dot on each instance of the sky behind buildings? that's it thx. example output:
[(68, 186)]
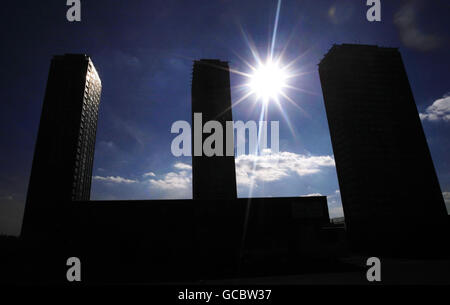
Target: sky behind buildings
[(143, 52)]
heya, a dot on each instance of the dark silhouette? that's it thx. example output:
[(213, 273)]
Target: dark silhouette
[(390, 192), (214, 236), (64, 152), (212, 177)]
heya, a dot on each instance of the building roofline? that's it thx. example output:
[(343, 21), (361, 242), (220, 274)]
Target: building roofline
[(354, 46)]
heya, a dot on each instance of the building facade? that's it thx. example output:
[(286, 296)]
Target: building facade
[(216, 235), (385, 171), (64, 151), (213, 177)]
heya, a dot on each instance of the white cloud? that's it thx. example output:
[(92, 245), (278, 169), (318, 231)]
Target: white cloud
[(335, 212), (172, 185), (149, 174), (276, 166), (115, 179), (173, 181), (410, 33), (268, 168), (182, 166), (447, 200), (176, 184), (312, 195), (335, 205), (439, 110), (446, 196)]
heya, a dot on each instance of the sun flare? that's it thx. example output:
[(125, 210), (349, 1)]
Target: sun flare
[(268, 81)]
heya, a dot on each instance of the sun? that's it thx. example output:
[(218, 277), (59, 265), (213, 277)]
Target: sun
[(267, 81), (270, 78)]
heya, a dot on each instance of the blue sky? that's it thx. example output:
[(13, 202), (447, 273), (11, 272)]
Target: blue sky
[(143, 51)]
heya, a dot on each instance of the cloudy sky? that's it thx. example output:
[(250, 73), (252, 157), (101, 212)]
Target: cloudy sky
[(143, 51)]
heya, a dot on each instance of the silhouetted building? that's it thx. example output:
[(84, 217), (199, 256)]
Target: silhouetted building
[(173, 240), (385, 171), (64, 152), (213, 177), (214, 236)]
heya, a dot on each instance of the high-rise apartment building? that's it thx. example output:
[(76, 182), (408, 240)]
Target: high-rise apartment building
[(64, 151), (389, 188), (213, 177)]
